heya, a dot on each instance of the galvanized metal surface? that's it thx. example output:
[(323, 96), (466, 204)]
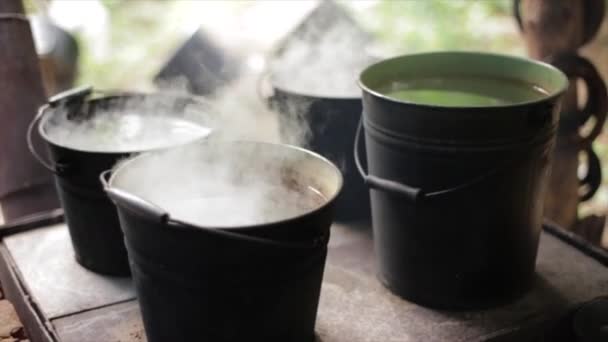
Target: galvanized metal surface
[(354, 306), (60, 286)]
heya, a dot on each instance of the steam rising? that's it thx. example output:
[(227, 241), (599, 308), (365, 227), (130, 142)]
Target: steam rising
[(219, 184), (239, 113), (222, 184), (132, 124), (324, 56)]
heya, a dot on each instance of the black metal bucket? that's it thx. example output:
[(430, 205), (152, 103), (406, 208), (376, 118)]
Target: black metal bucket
[(91, 217), (457, 192), (251, 283), (331, 123)]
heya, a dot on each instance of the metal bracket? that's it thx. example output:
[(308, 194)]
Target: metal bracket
[(79, 93)]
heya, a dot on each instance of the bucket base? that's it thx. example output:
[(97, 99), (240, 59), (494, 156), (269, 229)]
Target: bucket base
[(109, 270), (457, 304), (94, 229)]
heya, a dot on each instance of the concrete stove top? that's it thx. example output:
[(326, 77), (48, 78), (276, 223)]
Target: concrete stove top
[(61, 301)]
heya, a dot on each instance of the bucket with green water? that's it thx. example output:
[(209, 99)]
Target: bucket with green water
[(458, 150)]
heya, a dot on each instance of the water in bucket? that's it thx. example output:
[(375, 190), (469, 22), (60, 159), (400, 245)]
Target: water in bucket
[(224, 188), (462, 91), (243, 206), (123, 132)]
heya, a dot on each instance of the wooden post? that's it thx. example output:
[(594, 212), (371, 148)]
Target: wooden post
[(550, 28), (25, 187)]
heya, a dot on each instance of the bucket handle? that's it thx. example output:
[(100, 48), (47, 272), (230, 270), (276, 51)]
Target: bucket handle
[(74, 94), (413, 194), (57, 168), (139, 205)]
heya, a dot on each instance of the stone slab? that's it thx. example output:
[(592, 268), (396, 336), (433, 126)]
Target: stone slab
[(116, 323), (355, 307), (45, 263)]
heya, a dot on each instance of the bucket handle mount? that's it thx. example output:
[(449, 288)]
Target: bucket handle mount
[(130, 201), (143, 207), (413, 194)]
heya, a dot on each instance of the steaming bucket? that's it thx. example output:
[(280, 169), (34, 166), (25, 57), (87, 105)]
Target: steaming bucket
[(456, 192), (332, 122), (195, 282), (91, 217)]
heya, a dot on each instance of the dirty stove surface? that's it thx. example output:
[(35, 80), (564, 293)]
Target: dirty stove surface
[(64, 302)]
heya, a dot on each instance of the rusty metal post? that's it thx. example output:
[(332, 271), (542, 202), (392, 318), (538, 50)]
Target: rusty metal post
[(25, 187), (553, 31)]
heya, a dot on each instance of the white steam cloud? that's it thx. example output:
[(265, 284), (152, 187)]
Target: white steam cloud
[(128, 124), (220, 184), (324, 56)]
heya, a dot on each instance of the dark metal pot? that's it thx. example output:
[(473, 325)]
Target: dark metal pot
[(226, 284), (457, 192), (91, 217), (331, 123)]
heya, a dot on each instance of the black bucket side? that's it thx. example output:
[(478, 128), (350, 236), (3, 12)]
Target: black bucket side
[(457, 191), (459, 247), (252, 282), (331, 125), (193, 284), (90, 215), (476, 127)]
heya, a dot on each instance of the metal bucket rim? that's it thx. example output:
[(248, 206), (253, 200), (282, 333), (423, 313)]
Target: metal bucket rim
[(49, 112), (486, 108), (395, 138), (311, 94), (176, 223)]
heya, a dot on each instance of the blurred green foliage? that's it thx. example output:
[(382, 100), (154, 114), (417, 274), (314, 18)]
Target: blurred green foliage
[(138, 42), (408, 26), (142, 33)]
